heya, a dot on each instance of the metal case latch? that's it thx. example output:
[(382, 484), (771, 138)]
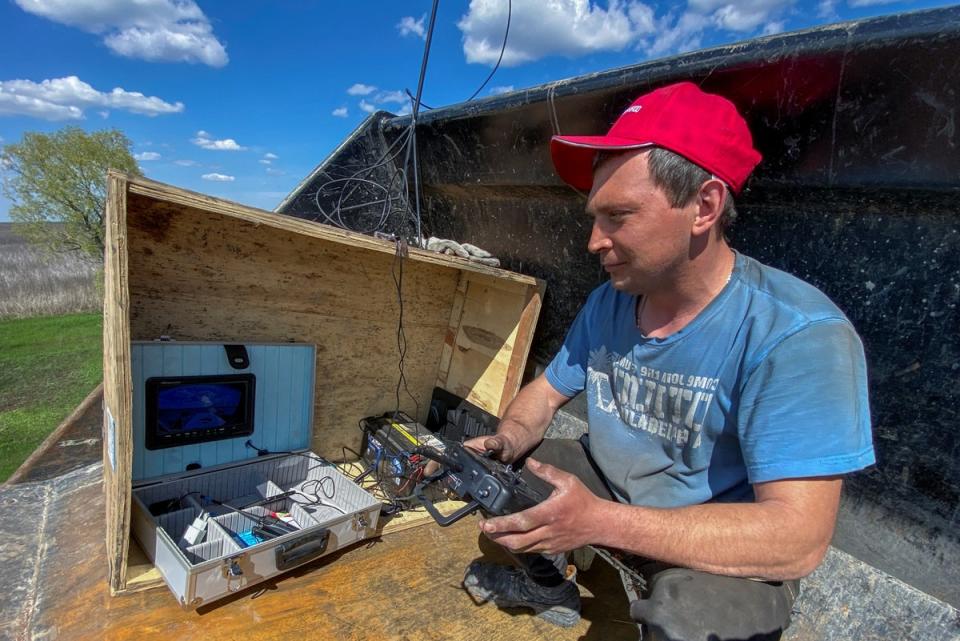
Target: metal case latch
[(233, 573)]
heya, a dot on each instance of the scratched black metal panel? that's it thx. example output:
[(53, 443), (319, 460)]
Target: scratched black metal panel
[(857, 193), (891, 261)]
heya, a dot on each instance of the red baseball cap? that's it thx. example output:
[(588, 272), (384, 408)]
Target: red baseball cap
[(704, 128)]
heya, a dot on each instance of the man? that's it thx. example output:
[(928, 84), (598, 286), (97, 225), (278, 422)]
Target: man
[(725, 398)]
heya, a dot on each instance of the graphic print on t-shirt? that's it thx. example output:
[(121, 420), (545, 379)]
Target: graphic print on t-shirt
[(670, 405)]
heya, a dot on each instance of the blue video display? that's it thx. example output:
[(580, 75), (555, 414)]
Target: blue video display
[(197, 409)]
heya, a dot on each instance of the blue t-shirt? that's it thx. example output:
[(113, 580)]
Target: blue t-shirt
[(768, 382)]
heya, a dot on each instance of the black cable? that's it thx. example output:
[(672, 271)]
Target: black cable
[(307, 455), (397, 272), (502, 49), (413, 120), (413, 99), (318, 484), (352, 182)]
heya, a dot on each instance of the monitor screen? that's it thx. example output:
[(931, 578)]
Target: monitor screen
[(182, 410)]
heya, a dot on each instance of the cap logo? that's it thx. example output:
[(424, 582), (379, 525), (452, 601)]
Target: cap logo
[(634, 109)]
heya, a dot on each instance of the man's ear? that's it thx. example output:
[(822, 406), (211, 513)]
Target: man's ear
[(710, 202)]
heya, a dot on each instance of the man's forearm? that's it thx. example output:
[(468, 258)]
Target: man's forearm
[(526, 419), (769, 539)]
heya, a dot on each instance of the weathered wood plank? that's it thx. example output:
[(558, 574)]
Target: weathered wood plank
[(490, 323), (117, 376), (522, 343), (160, 191)]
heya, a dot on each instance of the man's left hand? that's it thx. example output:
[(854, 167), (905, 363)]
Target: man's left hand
[(565, 521)]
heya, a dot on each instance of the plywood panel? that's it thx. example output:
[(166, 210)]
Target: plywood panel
[(194, 277), (117, 391), (488, 340)]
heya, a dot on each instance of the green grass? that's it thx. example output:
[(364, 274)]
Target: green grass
[(47, 366)]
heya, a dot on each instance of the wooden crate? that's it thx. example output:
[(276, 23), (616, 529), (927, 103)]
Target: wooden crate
[(192, 267)]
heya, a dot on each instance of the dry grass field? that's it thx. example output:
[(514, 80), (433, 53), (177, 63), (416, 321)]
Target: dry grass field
[(33, 284)]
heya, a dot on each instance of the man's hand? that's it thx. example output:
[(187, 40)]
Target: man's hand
[(500, 445), (524, 422), (565, 521)]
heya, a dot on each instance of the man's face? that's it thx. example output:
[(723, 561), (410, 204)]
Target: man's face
[(640, 238)]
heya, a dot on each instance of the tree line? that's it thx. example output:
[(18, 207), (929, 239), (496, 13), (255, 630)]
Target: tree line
[(61, 177)]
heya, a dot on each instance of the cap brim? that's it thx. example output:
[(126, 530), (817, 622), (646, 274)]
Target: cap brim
[(573, 156)]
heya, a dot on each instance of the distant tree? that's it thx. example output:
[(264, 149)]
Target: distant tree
[(62, 178)]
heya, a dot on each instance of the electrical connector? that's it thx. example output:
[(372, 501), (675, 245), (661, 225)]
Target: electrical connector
[(259, 451), (197, 530)]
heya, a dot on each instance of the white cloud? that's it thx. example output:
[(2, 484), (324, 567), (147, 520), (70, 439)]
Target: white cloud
[(360, 89), (410, 26), (578, 27), (539, 29), (270, 156), (685, 35), (14, 105), (275, 172), (147, 155), (496, 91), (857, 4), (827, 10), (741, 16), (67, 98), (204, 141), (772, 28), (220, 178), (377, 99), (391, 96), (340, 112), (168, 30), (264, 161)]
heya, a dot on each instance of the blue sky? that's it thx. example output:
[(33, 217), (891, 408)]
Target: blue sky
[(243, 99)]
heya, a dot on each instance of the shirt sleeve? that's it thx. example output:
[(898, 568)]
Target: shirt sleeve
[(567, 372), (804, 409)]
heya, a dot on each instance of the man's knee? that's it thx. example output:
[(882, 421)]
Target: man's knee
[(686, 605), (572, 456)]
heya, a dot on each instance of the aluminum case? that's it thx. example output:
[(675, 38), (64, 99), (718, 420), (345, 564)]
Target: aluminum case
[(329, 510)]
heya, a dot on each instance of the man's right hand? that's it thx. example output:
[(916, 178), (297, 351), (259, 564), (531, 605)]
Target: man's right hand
[(501, 447), (524, 422)]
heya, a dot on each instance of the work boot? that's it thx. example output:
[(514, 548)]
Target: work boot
[(510, 587)]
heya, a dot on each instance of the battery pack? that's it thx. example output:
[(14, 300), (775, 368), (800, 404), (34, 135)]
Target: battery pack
[(388, 448)]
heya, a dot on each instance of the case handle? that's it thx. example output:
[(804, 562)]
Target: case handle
[(303, 549)]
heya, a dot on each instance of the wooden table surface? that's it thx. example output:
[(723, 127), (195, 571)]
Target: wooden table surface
[(405, 585)]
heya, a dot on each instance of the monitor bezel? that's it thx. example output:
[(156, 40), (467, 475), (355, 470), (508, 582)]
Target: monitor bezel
[(153, 385)]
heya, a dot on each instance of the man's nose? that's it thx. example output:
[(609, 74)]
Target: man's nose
[(599, 240)]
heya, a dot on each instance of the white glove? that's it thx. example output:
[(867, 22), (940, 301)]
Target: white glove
[(465, 250)]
